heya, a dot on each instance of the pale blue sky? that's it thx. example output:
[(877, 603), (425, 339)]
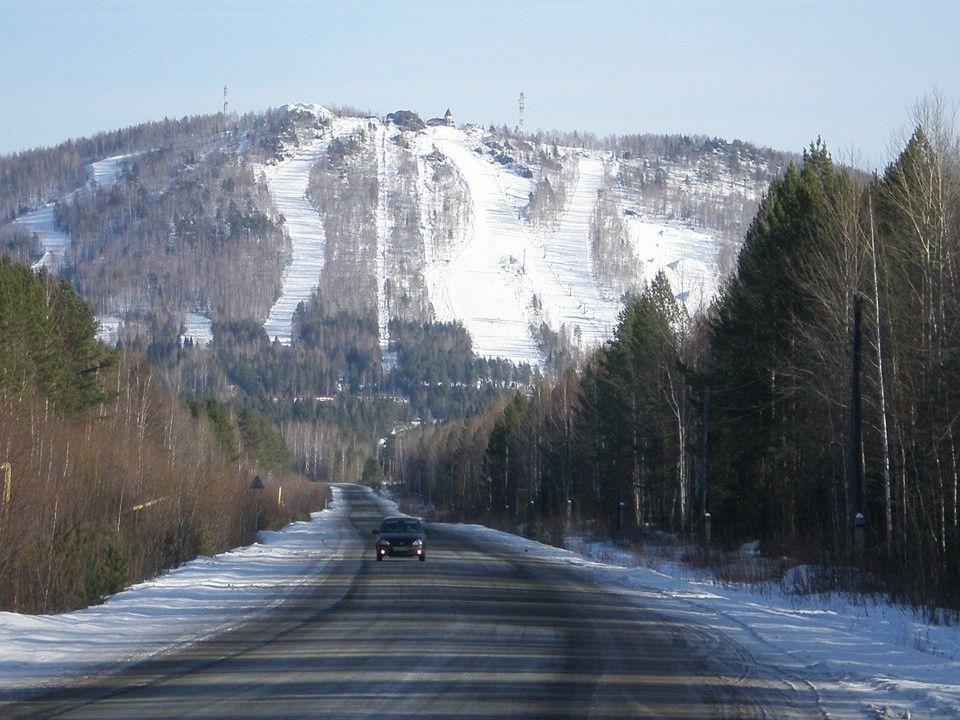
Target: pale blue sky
[(775, 73)]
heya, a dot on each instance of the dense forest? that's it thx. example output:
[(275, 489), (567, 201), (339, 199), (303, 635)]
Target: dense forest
[(33, 177), (814, 407)]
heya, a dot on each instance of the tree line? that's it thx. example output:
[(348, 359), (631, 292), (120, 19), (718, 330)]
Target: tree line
[(112, 478), (813, 407)]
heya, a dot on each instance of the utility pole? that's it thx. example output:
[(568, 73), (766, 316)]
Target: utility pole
[(703, 472), (854, 434)]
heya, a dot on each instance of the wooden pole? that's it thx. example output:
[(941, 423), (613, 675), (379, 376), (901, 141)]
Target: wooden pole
[(7, 482)]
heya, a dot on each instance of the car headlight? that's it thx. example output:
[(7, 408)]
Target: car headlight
[(417, 543)]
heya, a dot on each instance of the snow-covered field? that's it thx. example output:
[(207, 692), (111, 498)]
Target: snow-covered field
[(196, 600)]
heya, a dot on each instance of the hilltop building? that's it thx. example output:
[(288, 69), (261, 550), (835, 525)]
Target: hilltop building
[(446, 120)]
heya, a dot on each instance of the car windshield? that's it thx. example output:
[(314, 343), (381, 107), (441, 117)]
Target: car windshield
[(400, 526)]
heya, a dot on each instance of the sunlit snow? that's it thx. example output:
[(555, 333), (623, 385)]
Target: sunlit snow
[(482, 285)]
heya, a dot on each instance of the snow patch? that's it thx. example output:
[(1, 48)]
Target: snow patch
[(197, 328), (319, 112), (108, 329)]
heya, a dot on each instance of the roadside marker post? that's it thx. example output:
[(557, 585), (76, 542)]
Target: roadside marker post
[(7, 482)]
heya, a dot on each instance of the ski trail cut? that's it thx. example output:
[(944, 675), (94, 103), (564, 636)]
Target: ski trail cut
[(483, 284), (383, 238), (287, 184), (560, 270)]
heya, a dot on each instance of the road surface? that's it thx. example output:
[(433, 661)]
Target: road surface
[(477, 631)]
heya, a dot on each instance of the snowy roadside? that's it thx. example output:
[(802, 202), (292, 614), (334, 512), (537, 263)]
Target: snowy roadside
[(863, 661), (199, 599)]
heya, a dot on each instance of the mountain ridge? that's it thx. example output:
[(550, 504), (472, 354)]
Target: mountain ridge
[(513, 235)]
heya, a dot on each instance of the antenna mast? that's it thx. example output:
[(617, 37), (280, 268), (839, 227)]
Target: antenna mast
[(520, 116), (225, 103)]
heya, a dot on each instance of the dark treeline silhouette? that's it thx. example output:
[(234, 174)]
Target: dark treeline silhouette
[(751, 412)]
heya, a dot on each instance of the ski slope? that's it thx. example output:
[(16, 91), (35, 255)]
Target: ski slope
[(491, 282), (42, 221), (197, 328), (287, 182), (383, 235), (500, 268), (106, 171), (688, 258), (108, 329), (482, 285), (53, 240), (560, 270)]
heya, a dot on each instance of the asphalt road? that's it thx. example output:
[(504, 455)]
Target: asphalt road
[(477, 631)]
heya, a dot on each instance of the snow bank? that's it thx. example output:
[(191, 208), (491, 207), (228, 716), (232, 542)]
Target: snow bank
[(198, 599)]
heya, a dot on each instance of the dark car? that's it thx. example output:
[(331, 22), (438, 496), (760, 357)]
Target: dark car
[(400, 535)]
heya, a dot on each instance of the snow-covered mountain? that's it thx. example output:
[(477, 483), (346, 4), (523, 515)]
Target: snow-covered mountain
[(481, 245), (532, 242)]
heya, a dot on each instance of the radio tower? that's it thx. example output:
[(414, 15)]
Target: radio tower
[(225, 103), (520, 117)]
